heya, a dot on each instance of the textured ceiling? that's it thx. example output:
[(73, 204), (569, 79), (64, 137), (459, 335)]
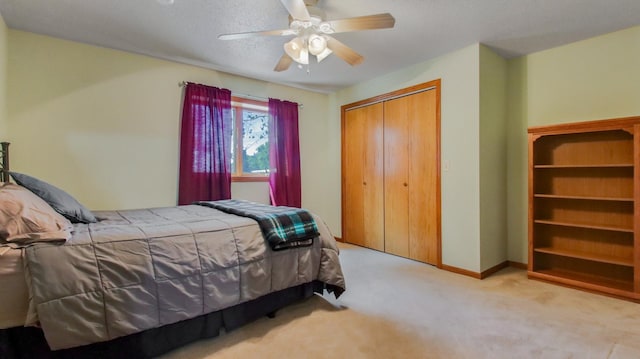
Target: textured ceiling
[(186, 31)]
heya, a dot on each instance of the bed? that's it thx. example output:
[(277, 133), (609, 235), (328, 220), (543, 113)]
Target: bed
[(143, 282)]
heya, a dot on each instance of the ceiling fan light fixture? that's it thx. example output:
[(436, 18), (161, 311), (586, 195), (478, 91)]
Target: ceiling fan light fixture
[(304, 57), (325, 28), (317, 44), (321, 56), (297, 50), (297, 25)]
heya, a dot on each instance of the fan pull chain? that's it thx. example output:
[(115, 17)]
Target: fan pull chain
[(301, 67)]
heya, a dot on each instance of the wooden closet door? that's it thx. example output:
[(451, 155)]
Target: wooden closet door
[(411, 177), (396, 177), (363, 186), (424, 214)]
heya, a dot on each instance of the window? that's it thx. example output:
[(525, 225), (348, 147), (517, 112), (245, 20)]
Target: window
[(250, 141)]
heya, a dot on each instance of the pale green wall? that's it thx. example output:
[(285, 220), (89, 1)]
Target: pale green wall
[(493, 159), (594, 79), (459, 72), (104, 124), (4, 135)]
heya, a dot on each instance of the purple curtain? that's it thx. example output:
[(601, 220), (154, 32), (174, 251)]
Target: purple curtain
[(205, 145), (284, 154)]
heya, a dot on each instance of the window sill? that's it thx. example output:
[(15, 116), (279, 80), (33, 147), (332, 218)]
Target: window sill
[(249, 178)]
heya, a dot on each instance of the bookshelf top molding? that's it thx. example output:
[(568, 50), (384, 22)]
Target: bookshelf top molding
[(624, 123)]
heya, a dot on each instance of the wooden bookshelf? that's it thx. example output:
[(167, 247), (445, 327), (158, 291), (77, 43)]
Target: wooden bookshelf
[(627, 199), (584, 204), (596, 257)]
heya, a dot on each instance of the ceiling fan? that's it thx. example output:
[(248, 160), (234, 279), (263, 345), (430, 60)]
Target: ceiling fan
[(312, 33)]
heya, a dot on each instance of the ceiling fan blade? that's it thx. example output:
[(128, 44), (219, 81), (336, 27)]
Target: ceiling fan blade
[(297, 9), (369, 22), (243, 35), (344, 52), (284, 63)]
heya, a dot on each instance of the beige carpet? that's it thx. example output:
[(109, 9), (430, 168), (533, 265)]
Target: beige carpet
[(397, 308)]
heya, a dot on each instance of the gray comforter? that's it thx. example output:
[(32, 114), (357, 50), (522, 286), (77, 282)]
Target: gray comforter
[(140, 269)]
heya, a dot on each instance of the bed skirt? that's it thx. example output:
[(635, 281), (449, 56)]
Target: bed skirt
[(29, 342)]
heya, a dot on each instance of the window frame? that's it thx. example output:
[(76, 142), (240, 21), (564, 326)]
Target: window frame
[(239, 105)]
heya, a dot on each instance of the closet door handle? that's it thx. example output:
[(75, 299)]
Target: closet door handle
[(405, 184), (364, 183)]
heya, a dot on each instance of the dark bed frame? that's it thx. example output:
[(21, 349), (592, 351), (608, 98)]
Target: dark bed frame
[(29, 342), (4, 162)]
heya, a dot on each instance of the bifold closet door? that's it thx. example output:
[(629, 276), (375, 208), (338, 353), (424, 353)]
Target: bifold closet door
[(396, 177), (424, 214), (411, 178), (363, 177)]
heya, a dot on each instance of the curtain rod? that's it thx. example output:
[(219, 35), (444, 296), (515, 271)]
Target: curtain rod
[(236, 94)]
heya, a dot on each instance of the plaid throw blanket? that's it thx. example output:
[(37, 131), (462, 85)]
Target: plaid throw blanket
[(283, 227)]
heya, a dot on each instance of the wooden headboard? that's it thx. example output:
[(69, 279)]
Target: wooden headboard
[(4, 162)]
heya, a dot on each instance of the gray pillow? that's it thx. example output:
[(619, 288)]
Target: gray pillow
[(58, 199)]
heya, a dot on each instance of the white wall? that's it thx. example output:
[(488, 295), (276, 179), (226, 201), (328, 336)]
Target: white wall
[(459, 72), (594, 79), (493, 159), (104, 124), (4, 134)]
